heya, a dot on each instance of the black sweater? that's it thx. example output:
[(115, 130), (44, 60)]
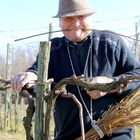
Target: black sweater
[(110, 57)]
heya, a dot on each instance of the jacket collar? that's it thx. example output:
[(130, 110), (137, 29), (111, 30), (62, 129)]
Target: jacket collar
[(73, 44)]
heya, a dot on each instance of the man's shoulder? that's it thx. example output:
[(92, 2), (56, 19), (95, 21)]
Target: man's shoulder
[(104, 35), (56, 43)]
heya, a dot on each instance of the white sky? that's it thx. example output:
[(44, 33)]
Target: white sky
[(21, 18)]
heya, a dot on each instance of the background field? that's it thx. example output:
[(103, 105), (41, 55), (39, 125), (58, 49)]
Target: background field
[(20, 133)]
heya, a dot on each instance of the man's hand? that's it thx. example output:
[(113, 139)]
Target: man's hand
[(95, 94), (23, 79)]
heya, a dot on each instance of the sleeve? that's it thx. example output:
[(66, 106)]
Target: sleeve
[(34, 67), (127, 64)]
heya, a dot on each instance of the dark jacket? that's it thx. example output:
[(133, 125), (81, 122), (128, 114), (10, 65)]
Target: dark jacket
[(110, 57)]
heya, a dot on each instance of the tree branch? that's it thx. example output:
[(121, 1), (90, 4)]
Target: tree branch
[(4, 84), (104, 87), (27, 120), (69, 95), (74, 80)]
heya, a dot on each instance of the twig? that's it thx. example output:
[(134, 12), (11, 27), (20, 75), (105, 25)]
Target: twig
[(27, 120), (4, 84), (45, 33), (105, 87), (69, 95)]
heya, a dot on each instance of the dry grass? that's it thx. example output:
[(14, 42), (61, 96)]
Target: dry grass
[(137, 133), (9, 135), (14, 132), (20, 133)]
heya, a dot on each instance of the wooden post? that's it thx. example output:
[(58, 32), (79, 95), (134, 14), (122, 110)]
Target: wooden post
[(0, 112), (15, 113), (43, 60), (7, 111), (50, 32), (137, 50)]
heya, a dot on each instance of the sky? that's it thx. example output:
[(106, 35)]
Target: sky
[(21, 18)]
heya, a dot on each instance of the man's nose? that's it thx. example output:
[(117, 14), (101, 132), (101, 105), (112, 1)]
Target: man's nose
[(77, 22)]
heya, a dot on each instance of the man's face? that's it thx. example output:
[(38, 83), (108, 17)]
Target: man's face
[(76, 28)]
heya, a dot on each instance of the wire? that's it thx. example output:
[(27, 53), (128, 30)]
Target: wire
[(117, 19)]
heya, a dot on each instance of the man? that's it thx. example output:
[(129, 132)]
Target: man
[(102, 55)]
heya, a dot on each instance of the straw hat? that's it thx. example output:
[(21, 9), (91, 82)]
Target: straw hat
[(73, 8)]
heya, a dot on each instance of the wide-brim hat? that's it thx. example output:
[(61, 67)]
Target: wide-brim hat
[(73, 8)]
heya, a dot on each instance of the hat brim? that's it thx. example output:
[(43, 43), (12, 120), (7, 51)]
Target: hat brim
[(77, 13)]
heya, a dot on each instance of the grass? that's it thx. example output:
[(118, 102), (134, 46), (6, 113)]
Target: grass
[(9, 135), (137, 133), (19, 134), (12, 131)]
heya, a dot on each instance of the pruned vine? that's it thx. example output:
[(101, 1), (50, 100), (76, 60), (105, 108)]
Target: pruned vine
[(59, 89)]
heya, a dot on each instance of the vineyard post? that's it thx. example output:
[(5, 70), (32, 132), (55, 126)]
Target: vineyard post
[(43, 60), (7, 109)]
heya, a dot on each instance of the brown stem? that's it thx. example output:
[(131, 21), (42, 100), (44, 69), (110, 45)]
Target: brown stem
[(27, 120), (105, 87), (69, 95)]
